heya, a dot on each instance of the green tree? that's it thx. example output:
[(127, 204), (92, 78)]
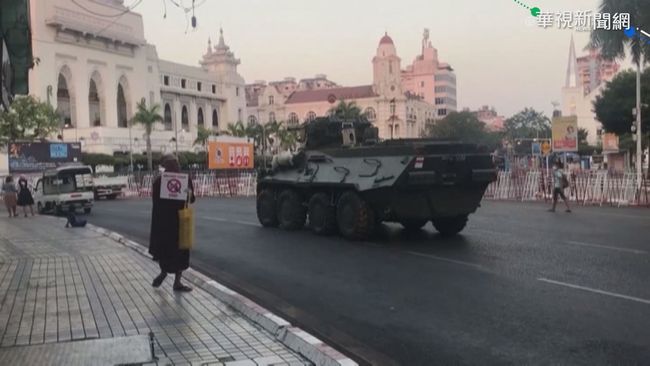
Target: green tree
[(202, 136), (28, 119), (613, 44), (614, 105), (346, 110), (528, 123), (148, 116), (463, 126)]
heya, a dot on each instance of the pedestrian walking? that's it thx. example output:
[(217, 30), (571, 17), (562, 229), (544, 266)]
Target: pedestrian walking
[(25, 198), (560, 182), (9, 195), (163, 242)]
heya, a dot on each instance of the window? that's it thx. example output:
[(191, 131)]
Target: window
[(199, 117), (185, 121), (166, 80), (370, 113), (183, 83), (421, 84), (272, 117), (396, 131), (237, 91), (215, 119), (293, 119), (392, 109), (252, 120), (214, 89), (311, 116), (440, 89), (390, 67), (442, 112), (440, 101), (122, 120), (198, 86), (168, 117), (271, 100), (239, 114)]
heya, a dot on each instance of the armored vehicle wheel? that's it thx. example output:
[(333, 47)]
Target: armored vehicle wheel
[(322, 215), (413, 224), (291, 212), (266, 211), (355, 218), (448, 226)]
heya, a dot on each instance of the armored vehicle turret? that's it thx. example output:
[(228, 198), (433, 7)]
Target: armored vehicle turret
[(344, 179)]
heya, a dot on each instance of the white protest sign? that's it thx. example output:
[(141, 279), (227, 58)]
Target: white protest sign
[(173, 186)]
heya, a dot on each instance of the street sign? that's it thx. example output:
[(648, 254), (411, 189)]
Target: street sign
[(546, 148), (536, 148)]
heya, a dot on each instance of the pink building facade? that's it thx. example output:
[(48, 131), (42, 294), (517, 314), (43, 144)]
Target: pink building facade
[(394, 102)]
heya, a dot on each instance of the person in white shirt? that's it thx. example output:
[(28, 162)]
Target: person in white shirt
[(560, 182)]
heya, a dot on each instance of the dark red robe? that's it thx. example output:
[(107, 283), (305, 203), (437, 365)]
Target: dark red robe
[(163, 240)]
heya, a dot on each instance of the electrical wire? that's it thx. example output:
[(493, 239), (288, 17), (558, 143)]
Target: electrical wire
[(128, 9)]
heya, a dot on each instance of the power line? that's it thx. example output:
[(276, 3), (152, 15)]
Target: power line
[(128, 9)]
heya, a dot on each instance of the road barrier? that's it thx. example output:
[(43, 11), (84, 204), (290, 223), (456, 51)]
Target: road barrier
[(586, 187), (206, 184)]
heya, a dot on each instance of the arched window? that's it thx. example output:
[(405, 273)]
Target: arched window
[(293, 119), (311, 116), (199, 117), (93, 104), (168, 117), (63, 102), (215, 119), (271, 117), (121, 108), (185, 121), (252, 120), (370, 113)]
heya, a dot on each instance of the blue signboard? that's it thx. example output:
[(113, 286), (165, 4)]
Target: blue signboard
[(537, 148), (59, 151)]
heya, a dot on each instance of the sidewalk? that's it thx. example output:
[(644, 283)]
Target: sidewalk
[(61, 285)]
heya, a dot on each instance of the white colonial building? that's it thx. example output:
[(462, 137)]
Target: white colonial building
[(96, 66)]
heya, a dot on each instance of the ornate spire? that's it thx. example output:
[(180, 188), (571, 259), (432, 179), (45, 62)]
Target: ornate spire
[(209, 45), (572, 79), (220, 53), (222, 43)]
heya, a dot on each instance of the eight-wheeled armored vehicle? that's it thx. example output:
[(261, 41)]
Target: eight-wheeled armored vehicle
[(344, 179)]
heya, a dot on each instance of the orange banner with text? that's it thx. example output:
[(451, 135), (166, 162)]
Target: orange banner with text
[(230, 155)]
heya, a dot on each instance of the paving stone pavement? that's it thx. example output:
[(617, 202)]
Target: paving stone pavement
[(60, 285)]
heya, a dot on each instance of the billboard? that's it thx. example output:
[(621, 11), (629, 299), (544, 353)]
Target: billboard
[(565, 134), (610, 142), (230, 154), (34, 157)]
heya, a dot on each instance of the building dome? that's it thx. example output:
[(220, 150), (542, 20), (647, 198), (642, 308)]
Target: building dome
[(386, 39)]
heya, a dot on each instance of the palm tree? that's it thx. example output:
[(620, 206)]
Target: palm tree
[(202, 136), (346, 111), (236, 129), (148, 118)]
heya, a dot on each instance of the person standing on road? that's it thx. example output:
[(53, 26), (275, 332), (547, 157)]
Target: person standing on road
[(560, 182), (25, 196), (163, 240), (9, 195)]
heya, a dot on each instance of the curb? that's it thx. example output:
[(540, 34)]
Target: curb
[(294, 338)]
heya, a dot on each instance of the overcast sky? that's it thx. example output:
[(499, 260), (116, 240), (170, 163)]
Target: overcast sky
[(501, 57)]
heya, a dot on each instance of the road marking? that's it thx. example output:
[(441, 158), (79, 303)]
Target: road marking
[(443, 259), (220, 219), (597, 291), (628, 250)]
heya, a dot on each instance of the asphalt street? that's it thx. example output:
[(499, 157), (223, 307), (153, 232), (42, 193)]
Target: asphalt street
[(519, 286)]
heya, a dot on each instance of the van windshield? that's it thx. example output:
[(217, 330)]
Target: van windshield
[(74, 181)]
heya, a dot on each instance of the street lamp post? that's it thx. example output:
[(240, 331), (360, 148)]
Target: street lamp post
[(392, 117), (639, 153)]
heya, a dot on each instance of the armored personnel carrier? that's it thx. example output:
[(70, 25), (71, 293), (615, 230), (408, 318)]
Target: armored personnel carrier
[(344, 179)]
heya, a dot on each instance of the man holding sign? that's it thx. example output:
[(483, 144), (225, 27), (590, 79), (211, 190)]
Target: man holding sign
[(170, 192)]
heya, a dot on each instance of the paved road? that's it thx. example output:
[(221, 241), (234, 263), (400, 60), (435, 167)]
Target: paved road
[(520, 286)]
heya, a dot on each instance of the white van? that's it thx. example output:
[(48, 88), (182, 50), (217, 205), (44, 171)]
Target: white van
[(65, 187)]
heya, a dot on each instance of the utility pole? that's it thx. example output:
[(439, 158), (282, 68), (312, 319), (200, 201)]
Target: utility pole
[(639, 153)]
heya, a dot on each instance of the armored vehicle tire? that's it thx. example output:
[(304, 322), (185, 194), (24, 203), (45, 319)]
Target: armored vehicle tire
[(448, 226), (266, 208), (291, 212), (413, 224), (322, 215), (355, 218)]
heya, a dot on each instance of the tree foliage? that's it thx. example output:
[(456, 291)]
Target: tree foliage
[(28, 119), (613, 44), (526, 124), (147, 117), (463, 126), (614, 106), (346, 110)]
